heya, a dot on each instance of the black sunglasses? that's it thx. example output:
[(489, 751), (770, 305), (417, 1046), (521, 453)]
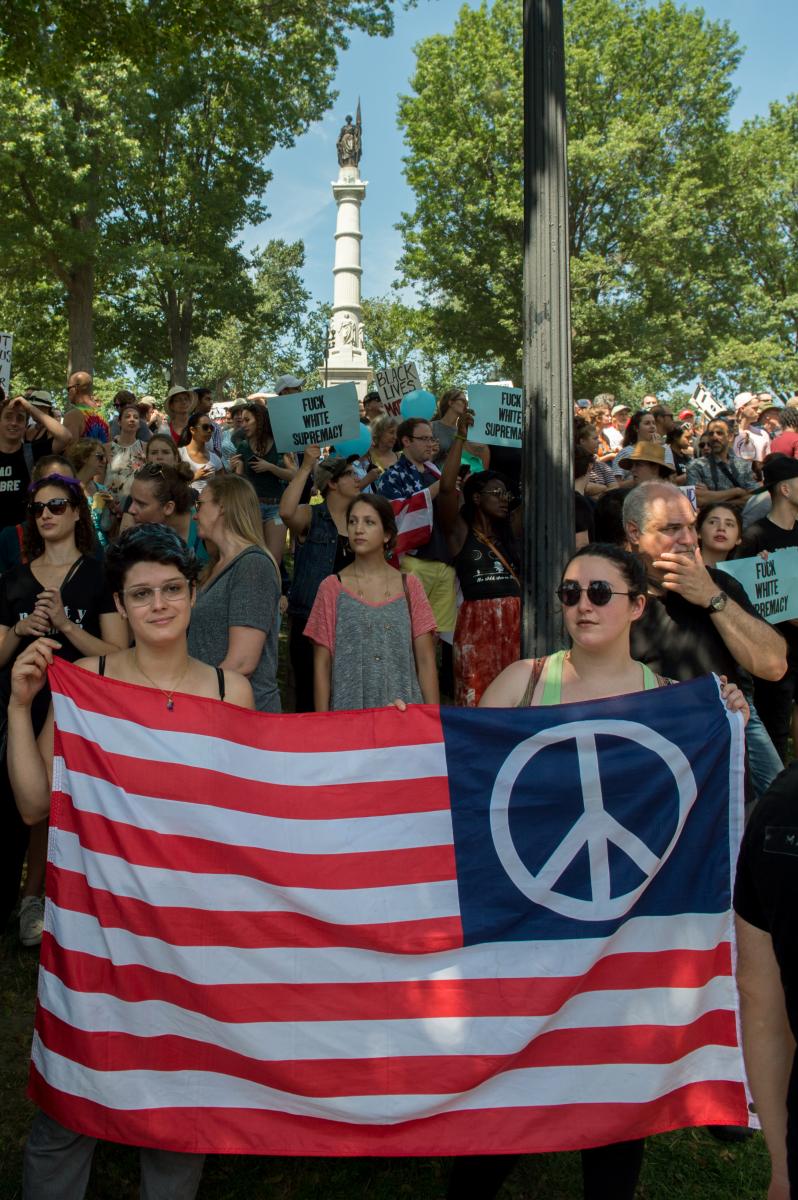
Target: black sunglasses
[(599, 592), (206, 428), (56, 507)]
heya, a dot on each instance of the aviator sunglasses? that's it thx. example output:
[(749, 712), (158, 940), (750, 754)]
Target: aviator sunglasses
[(599, 592), (56, 507)]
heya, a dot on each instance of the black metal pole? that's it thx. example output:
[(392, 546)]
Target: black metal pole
[(547, 470)]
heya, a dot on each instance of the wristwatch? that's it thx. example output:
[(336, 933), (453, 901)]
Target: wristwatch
[(717, 603)]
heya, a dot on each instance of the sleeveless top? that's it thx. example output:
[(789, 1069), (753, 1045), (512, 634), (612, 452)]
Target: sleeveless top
[(373, 661), (218, 670), (481, 573), (552, 683)]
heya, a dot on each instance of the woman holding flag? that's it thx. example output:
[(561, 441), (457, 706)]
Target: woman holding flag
[(152, 575)]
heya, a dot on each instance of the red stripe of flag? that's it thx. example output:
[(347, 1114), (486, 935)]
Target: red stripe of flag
[(538, 1128), (430, 1075), (413, 999), (172, 852), (197, 785), (253, 930)]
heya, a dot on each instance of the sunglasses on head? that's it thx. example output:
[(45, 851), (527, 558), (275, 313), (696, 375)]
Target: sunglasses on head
[(599, 592), (56, 507)]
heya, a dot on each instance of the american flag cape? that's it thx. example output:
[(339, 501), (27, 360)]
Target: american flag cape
[(432, 932)]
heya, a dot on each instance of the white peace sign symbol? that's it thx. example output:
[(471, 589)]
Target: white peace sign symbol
[(595, 827)]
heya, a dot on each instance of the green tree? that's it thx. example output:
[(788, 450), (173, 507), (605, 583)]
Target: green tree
[(648, 97), (759, 346), (150, 126)]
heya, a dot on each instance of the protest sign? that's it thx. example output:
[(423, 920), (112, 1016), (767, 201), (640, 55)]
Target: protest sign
[(314, 418), (705, 402), (6, 344), (393, 383), (498, 414), (771, 584), (688, 490)]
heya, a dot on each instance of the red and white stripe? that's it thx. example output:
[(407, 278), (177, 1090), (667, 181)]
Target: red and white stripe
[(253, 945)]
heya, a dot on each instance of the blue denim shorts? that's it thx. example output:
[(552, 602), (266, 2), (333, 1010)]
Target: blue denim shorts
[(270, 512)]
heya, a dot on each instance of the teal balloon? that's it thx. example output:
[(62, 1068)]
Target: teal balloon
[(419, 404), (359, 445)]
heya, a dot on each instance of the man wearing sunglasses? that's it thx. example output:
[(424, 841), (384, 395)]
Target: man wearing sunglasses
[(697, 619), (431, 563)]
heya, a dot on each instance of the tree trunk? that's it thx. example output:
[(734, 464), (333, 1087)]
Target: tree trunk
[(179, 316), (80, 317)]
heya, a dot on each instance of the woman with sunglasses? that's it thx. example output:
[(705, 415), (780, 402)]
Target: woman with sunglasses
[(268, 472), (195, 450), (486, 558), (89, 460), (603, 592), (151, 575), (59, 591)]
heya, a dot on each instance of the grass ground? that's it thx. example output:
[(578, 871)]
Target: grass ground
[(688, 1165)]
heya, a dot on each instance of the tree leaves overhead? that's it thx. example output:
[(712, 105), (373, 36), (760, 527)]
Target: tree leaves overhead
[(651, 160)]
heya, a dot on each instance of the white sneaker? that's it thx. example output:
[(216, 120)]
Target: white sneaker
[(31, 921)]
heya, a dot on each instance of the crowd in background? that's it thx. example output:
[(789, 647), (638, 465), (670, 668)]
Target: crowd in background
[(242, 534)]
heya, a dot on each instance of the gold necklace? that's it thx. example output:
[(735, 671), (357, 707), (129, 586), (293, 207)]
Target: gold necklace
[(168, 692), (360, 586)]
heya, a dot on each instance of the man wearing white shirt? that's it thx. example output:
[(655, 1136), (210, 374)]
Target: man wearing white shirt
[(752, 442), (614, 431)]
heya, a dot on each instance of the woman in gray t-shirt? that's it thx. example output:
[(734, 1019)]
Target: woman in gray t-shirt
[(236, 621)]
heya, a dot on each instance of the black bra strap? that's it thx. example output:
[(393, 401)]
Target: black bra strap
[(102, 664), (220, 677)]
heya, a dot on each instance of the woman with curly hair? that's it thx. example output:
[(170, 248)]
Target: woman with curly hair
[(452, 404), (268, 472), (59, 591)]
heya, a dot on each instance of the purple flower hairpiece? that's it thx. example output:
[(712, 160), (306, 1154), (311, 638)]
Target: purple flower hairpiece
[(63, 480)]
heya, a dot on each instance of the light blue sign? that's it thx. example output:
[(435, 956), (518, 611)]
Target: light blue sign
[(314, 418), (771, 584), (498, 414)]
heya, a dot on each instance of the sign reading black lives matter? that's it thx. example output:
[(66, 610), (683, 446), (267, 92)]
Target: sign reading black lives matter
[(314, 418), (6, 346), (393, 383), (498, 414)]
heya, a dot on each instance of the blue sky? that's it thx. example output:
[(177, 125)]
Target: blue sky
[(300, 199)]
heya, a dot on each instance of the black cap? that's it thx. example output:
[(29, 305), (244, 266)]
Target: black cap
[(777, 468)]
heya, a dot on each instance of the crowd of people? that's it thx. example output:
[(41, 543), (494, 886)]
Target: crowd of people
[(163, 547)]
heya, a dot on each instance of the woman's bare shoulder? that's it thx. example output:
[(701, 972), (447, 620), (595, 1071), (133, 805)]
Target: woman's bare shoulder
[(238, 690), (508, 688)]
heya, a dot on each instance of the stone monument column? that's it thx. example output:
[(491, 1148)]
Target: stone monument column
[(346, 356)]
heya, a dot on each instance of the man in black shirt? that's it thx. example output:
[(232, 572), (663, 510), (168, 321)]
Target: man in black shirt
[(697, 619), (766, 907), (18, 456), (778, 531)]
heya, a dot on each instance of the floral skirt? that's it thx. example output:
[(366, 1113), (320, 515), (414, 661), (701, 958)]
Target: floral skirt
[(487, 638)]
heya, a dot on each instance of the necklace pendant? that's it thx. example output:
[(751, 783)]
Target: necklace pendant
[(170, 703)]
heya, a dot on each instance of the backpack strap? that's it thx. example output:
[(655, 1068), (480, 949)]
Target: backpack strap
[(534, 675)]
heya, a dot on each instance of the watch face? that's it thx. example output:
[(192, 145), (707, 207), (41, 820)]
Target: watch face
[(717, 603)]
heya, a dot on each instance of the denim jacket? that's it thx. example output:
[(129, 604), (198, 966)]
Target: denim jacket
[(314, 561)]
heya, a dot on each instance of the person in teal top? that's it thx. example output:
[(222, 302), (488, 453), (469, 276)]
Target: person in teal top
[(162, 495), (603, 592)]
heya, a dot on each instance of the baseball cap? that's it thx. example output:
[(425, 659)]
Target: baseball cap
[(686, 414), (583, 404), (328, 470), (286, 381), (619, 408), (741, 399), (777, 468)]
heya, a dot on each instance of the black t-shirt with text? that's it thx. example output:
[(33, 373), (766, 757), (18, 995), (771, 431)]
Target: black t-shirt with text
[(14, 480), (679, 640)]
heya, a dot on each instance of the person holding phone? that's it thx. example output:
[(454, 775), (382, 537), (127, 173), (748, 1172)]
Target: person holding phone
[(269, 473)]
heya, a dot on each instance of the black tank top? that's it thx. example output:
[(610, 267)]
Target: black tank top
[(219, 675), (482, 575)]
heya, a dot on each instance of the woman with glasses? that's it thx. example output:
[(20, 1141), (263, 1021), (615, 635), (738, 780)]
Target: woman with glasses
[(236, 621), (89, 460), (194, 449), (268, 472), (58, 591), (150, 574), (603, 592), (452, 404), (486, 558)]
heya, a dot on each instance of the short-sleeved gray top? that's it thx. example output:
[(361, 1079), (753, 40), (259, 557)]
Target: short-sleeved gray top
[(247, 593)]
